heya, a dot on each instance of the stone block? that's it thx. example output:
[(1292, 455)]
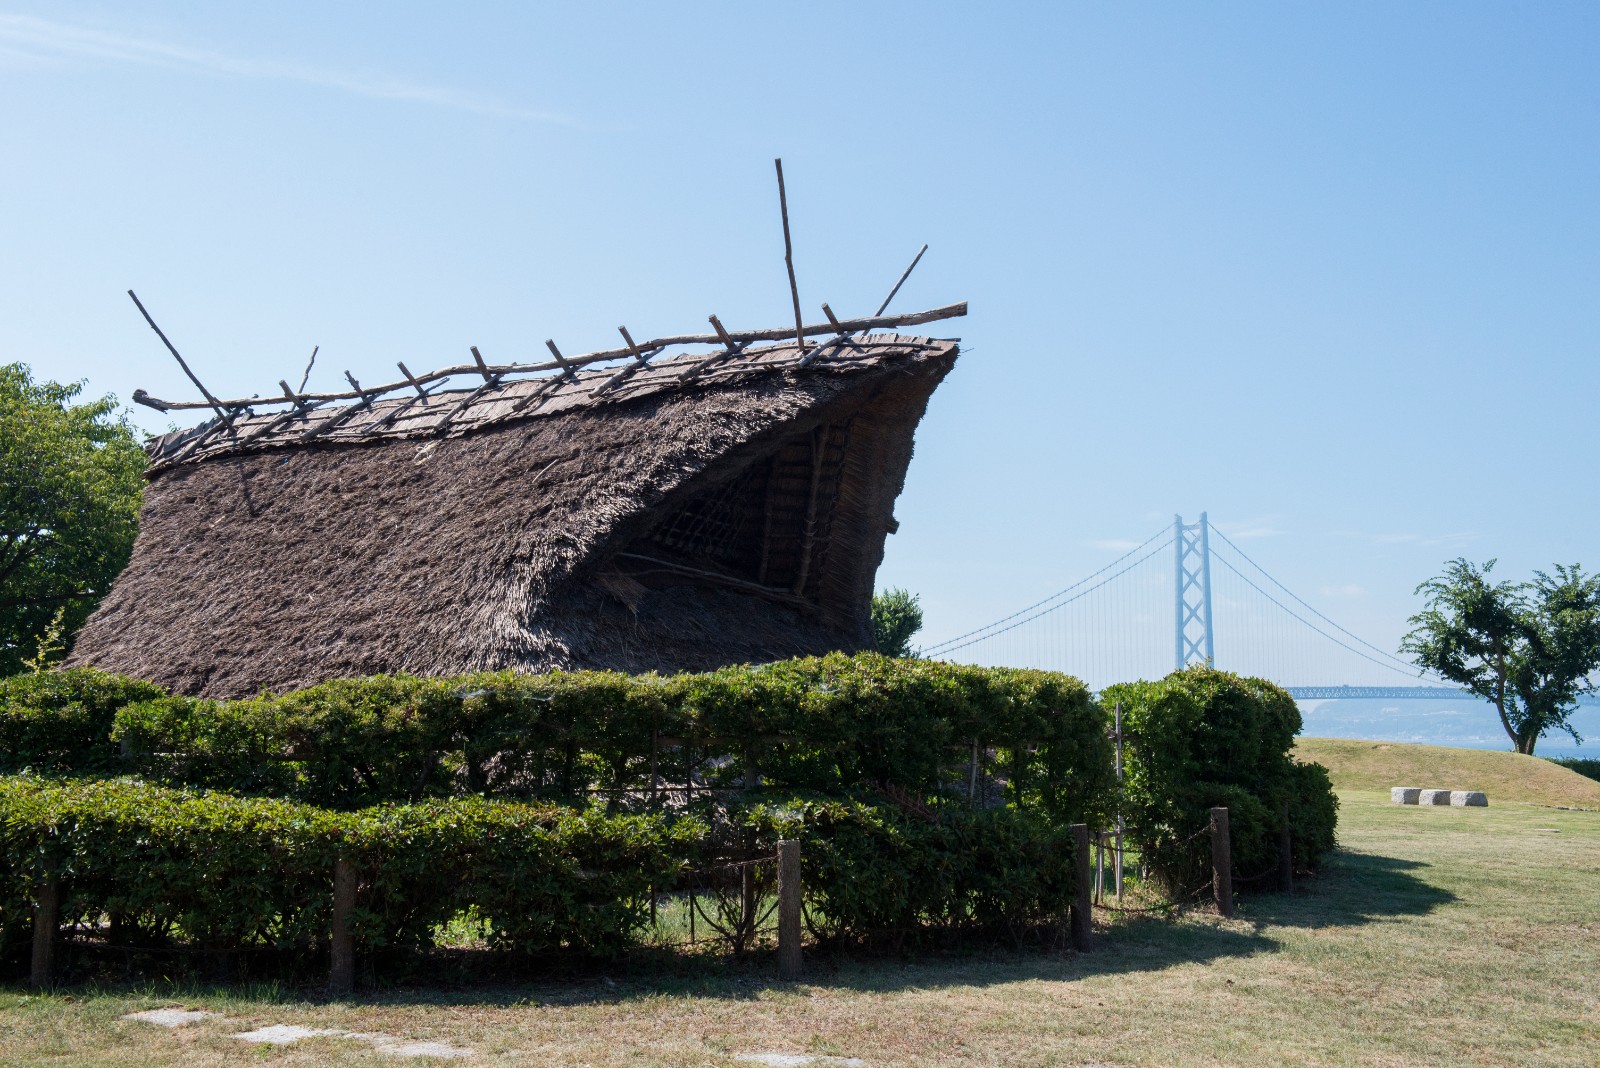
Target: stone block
[(1434, 797), (1469, 799), (1404, 795)]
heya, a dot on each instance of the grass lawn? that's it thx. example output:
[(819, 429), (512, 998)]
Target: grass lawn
[(1504, 776), (1435, 937)]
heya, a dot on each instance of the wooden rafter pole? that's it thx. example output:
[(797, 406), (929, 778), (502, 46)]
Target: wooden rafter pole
[(916, 260), (788, 259), (309, 365), (561, 361), (411, 378), (211, 401), (819, 444)]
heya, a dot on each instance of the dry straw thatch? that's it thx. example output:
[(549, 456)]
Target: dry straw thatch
[(697, 510)]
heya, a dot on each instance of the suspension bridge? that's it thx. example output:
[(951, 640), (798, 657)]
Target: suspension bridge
[(1188, 583)]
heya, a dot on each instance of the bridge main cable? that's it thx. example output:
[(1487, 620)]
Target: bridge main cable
[(972, 637), (1406, 665)]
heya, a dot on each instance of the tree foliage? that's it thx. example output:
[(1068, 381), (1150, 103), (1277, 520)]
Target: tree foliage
[(896, 617), (1528, 648), (70, 485)]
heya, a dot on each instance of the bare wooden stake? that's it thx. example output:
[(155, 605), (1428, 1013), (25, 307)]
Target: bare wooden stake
[(789, 909), (1082, 922), (903, 277), (1221, 862), (483, 368), (788, 259), (747, 908)]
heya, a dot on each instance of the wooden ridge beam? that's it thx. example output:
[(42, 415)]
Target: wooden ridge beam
[(566, 364)]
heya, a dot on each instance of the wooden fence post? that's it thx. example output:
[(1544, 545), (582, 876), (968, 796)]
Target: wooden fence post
[(1221, 862), (789, 903), (46, 918), (747, 898), (342, 963), (1285, 851), (1082, 905)]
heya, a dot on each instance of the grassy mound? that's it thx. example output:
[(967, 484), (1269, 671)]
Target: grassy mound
[(1504, 776)]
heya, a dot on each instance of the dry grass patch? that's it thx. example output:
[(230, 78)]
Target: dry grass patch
[(1504, 776), (1436, 936)]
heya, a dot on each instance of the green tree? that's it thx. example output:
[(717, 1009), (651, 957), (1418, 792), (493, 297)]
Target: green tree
[(1528, 648), (70, 485), (896, 616)]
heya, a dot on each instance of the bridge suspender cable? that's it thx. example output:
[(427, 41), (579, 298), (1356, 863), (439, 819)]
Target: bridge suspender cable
[(1348, 648), (1406, 665), (948, 642), (985, 633)]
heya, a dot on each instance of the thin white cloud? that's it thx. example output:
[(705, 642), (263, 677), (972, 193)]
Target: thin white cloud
[(1244, 529), (25, 40)]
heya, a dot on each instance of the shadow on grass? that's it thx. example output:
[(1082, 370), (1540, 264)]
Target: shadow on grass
[(1353, 889)]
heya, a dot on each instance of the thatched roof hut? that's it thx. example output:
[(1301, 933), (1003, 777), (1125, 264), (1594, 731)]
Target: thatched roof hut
[(681, 512)]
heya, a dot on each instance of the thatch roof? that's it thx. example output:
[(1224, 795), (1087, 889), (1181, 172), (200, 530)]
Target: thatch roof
[(698, 510)]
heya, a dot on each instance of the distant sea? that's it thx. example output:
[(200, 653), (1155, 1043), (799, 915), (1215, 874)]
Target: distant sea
[(1467, 724)]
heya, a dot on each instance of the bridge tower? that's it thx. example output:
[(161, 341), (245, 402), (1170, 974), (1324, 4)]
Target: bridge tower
[(1192, 642)]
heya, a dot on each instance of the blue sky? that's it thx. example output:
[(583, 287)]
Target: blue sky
[(1327, 273)]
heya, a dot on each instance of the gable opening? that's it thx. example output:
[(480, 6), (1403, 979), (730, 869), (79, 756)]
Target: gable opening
[(764, 531)]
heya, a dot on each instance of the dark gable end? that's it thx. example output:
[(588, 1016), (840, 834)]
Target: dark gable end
[(668, 522)]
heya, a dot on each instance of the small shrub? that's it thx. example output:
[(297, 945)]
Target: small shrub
[(1202, 738)]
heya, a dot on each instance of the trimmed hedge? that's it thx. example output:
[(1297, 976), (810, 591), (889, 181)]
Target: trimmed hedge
[(1588, 767), (529, 799), (836, 725), (62, 720), (217, 872), (221, 872), (1201, 738), (876, 871)]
